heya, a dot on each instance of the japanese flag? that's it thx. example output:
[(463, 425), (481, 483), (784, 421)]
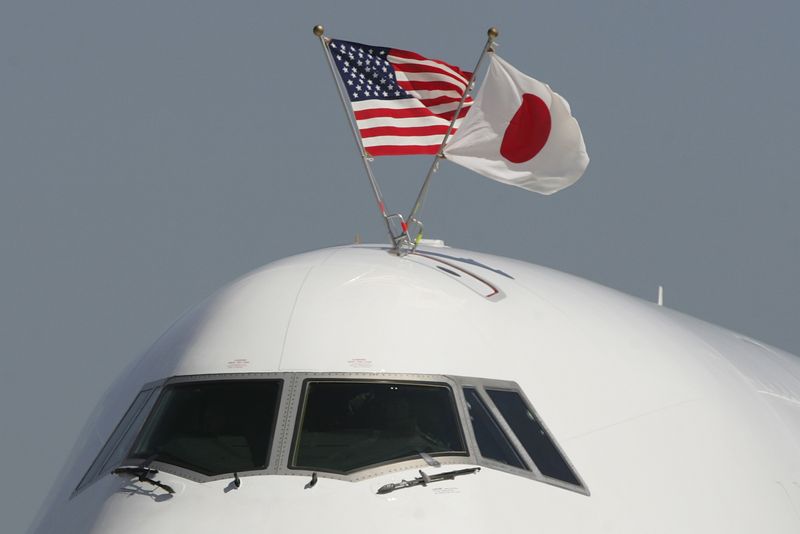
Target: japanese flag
[(521, 133)]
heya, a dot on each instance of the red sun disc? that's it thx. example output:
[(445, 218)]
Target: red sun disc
[(528, 130)]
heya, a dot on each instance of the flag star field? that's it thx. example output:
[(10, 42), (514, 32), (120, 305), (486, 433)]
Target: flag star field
[(403, 103)]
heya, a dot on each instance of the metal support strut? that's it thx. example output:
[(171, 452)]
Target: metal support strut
[(404, 244), (396, 236)]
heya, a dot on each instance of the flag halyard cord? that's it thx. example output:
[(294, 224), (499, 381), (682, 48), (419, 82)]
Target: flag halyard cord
[(396, 237), (404, 244)]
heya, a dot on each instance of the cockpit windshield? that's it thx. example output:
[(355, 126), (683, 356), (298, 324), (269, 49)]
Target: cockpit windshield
[(212, 427), (350, 425)]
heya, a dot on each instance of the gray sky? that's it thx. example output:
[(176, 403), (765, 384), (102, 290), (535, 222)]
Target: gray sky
[(151, 151)]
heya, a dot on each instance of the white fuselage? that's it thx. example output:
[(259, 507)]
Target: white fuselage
[(672, 424)]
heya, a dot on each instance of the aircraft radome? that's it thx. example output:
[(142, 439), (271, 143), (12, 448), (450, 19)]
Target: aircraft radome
[(354, 390)]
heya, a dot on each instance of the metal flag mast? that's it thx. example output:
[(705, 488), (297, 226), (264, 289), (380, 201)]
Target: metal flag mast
[(402, 235), (404, 245), (400, 239)]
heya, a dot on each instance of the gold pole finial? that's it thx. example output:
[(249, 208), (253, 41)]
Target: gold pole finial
[(493, 33), (319, 29)]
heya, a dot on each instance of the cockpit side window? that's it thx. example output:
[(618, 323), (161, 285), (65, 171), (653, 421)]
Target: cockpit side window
[(119, 441), (212, 428), (348, 425), (492, 441), (530, 431)]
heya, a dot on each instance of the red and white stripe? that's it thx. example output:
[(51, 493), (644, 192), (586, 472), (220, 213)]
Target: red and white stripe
[(413, 125)]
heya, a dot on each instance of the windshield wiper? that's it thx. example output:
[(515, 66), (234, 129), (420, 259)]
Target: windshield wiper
[(144, 475), (425, 479), (430, 460)]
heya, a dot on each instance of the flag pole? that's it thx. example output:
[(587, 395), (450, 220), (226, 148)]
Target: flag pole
[(319, 31), (405, 241)]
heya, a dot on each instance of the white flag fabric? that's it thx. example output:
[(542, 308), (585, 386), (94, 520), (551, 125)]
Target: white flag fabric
[(521, 133)]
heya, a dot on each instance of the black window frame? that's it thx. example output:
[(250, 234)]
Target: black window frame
[(292, 397), (499, 427), (482, 386), (271, 442), (546, 439), (303, 397), (118, 435)]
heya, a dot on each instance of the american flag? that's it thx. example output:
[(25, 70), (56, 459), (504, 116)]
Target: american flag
[(403, 102)]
